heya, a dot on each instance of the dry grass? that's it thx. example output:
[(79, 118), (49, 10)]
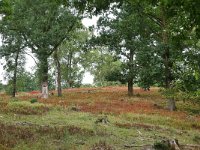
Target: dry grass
[(142, 116)]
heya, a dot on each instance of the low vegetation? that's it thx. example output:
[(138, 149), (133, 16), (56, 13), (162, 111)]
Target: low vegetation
[(95, 118)]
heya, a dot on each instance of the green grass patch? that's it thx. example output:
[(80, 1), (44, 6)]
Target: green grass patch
[(25, 107)]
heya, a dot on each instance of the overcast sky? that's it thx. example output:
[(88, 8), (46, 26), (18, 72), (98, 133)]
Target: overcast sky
[(87, 79)]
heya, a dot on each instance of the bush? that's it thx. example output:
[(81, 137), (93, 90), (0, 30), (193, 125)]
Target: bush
[(196, 139), (9, 89), (1, 87), (33, 100), (177, 92), (169, 93), (161, 146)]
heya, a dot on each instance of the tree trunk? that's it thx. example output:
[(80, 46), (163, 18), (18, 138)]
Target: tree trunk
[(130, 75), (45, 92), (43, 73), (130, 87), (57, 62), (69, 64), (15, 76), (167, 62), (171, 104), (70, 83)]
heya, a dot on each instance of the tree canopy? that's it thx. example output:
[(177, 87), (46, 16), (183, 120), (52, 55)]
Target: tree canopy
[(144, 43)]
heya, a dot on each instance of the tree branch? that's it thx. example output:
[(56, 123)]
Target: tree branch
[(63, 38), (31, 57)]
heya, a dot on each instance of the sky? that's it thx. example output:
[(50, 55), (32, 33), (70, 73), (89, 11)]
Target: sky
[(87, 79)]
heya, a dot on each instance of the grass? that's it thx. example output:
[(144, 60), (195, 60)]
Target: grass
[(52, 124), (24, 107)]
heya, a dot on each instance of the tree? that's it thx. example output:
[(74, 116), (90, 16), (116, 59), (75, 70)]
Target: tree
[(168, 26), (58, 72), (95, 7), (192, 9), (71, 57), (125, 32), (12, 51), (25, 82), (172, 27), (43, 27), (103, 65), (13, 45)]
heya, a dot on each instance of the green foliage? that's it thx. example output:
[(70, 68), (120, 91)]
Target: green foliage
[(188, 82), (178, 91), (161, 146), (104, 66), (142, 42), (161, 61), (129, 35), (33, 100), (9, 88), (114, 72), (170, 93), (49, 29), (1, 87), (71, 59), (94, 6), (12, 50), (25, 82), (6, 8), (197, 139)]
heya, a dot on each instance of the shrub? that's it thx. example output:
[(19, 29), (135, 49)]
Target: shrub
[(196, 139), (177, 94), (161, 146), (33, 100), (9, 89)]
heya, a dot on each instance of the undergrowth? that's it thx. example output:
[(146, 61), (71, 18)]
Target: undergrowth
[(27, 123)]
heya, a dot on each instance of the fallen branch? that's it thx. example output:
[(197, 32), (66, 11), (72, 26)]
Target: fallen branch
[(130, 146)]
